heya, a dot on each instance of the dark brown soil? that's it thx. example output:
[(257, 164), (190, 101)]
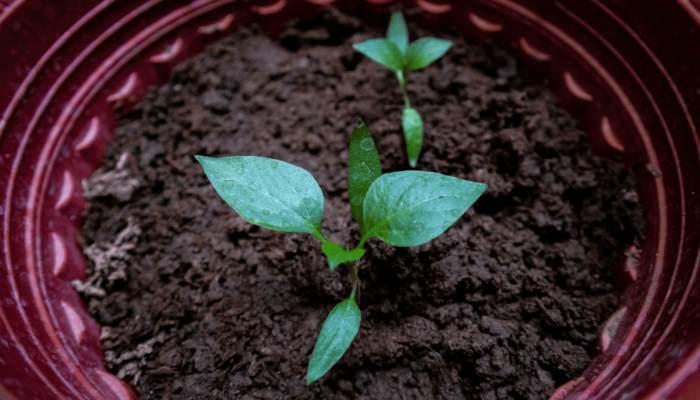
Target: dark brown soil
[(196, 303)]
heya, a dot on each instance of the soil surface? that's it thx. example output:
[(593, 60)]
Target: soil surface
[(196, 303)]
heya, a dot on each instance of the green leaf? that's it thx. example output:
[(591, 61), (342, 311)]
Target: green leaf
[(383, 52), (337, 255), (413, 132), (337, 333), (425, 50), (410, 208), (397, 32), (363, 168), (269, 193)]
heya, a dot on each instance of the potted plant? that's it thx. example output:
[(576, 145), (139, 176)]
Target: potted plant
[(610, 134)]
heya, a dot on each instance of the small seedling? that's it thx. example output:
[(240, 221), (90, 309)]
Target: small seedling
[(403, 209), (395, 53)]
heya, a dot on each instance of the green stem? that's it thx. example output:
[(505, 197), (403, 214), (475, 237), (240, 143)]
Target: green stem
[(354, 289), (403, 82), (406, 102), (355, 283), (352, 266), (361, 245)]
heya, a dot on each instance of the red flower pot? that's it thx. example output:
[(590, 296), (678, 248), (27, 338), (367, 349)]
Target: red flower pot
[(627, 69)]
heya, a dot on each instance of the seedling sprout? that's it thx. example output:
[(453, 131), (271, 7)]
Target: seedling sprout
[(404, 209), (395, 53)]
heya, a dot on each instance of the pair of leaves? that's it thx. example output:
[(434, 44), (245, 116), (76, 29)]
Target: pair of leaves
[(405, 208), (337, 255), (395, 53)]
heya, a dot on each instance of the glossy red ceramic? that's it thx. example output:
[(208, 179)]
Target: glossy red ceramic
[(629, 69)]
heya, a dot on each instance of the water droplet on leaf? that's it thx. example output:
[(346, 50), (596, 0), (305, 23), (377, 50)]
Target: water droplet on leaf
[(359, 177), (359, 123), (253, 186), (366, 171), (311, 204), (266, 213), (455, 213), (228, 184), (419, 227), (367, 144), (235, 167)]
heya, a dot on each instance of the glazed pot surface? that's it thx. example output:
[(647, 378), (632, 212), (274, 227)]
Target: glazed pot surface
[(626, 70)]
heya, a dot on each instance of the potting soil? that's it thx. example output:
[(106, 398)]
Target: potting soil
[(196, 303)]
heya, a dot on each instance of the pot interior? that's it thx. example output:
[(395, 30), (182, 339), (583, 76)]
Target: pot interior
[(615, 67)]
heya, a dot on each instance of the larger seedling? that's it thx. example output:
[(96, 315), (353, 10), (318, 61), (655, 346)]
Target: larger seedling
[(404, 209)]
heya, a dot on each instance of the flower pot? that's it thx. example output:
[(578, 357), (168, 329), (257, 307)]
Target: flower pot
[(623, 70)]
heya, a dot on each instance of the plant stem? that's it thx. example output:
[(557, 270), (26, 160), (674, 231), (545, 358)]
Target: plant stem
[(361, 244), (406, 102), (353, 271), (403, 82), (353, 267)]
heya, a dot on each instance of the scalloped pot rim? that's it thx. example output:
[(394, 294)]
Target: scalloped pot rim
[(621, 69)]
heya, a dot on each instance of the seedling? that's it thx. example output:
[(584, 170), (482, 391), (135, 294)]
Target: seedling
[(403, 209), (395, 54)]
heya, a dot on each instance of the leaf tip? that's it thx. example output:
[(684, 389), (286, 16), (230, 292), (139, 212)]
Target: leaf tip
[(359, 123), (309, 381), (361, 47), (413, 163), (204, 161)]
